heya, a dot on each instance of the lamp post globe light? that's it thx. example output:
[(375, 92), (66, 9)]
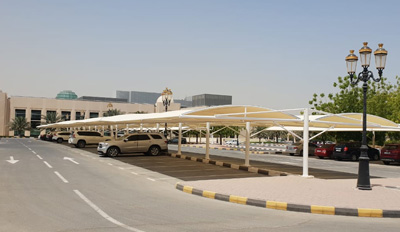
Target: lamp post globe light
[(363, 181), (166, 96)]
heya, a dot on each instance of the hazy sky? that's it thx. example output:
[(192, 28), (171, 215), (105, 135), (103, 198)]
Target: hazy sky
[(274, 54)]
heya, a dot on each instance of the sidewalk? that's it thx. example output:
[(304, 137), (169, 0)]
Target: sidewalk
[(312, 195)]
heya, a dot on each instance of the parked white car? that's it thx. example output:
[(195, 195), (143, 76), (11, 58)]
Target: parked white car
[(231, 142)]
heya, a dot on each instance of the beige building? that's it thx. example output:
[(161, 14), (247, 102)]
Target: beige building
[(32, 108)]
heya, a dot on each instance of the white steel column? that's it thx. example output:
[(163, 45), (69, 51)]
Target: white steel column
[(102, 132), (158, 127), (116, 132), (127, 129), (208, 141), (141, 127), (247, 152), (180, 139), (305, 142)]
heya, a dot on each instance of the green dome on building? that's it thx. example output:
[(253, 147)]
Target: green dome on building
[(66, 94)]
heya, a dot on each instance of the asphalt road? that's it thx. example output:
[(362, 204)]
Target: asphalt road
[(48, 187)]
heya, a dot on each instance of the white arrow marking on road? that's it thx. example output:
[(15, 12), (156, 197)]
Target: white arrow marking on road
[(71, 159), (12, 161)]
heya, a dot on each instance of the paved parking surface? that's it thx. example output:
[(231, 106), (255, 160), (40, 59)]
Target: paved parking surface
[(189, 170), (185, 170)]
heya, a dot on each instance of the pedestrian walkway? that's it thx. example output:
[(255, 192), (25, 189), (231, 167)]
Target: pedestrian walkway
[(333, 196)]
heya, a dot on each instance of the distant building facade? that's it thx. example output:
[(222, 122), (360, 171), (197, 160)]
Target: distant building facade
[(211, 100), (103, 99), (33, 108), (138, 97), (193, 101)]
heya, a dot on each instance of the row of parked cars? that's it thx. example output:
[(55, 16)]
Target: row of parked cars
[(348, 151), (138, 142)]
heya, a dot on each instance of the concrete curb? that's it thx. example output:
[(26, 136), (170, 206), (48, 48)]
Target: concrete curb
[(315, 209), (234, 166), (229, 149)]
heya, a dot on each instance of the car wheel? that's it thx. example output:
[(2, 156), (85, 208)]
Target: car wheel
[(81, 144), (353, 157), (113, 152), (292, 154), (154, 150), (59, 140), (376, 156), (386, 162), (321, 157), (301, 152)]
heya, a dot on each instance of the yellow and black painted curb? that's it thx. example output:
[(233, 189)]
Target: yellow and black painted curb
[(234, 166), (315, 209), (228, 149)]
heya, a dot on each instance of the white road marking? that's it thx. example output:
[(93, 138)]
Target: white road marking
[(134, 173), (61, 177), (12, 160), (48, 165), (71, 159), (34, 152), (103, 214), (39, 157), (151, 179), (110, 164), (121, 168)]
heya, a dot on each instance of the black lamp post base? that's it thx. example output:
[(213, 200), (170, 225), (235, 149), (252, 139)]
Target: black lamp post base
[(363, 182)]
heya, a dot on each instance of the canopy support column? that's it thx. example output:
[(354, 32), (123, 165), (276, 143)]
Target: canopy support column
[(207, 141), (247, 152), (116, 132), (180, 139), (158, 127), (305, 142)]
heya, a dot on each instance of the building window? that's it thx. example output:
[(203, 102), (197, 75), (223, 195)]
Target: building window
[(36, 115), (65, 115), (20, 113), (94, 115), (35, 121)]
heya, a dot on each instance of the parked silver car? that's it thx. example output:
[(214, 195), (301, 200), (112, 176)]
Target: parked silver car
[(297, 148), (150, 143)]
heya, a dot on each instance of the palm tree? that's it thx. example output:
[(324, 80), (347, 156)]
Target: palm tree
[(19, 124), (52, 117), (112, 112)]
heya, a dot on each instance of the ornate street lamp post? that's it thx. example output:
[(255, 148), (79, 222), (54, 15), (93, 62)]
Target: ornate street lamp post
[(166, 99), (363, 182)]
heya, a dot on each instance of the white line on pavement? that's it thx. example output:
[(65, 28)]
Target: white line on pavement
[(110, 164), (48, 165), (121, 168), (34, 152), (151, 179), (61, 177), (39, 157), (103, 214), (134, 173)]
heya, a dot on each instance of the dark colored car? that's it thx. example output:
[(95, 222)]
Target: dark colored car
[(390, 153), (176, 140), (326, 150), (351, 151)]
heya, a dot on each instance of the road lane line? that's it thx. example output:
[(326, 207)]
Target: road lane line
[(48, 165), (121, 168), (61, 177), (134, 173), (34, 152), (39, 157), (110, 164), (103, 214), (151, 179)]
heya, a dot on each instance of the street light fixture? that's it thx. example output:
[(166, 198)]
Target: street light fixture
[(363, 182), (166, 96)]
